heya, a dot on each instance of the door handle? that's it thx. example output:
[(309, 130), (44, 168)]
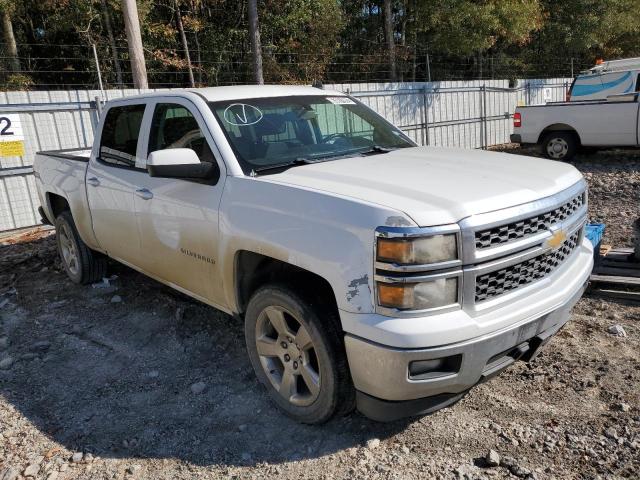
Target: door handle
[(144, 193), (93, 181)]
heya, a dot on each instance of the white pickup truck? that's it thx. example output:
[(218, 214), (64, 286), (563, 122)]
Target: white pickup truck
[(368, 271), (561, 128)]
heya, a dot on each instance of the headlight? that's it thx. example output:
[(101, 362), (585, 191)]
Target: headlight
[(418, 250), (430, 294)]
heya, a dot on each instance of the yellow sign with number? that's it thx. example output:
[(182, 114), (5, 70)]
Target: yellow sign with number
[(11, 135)]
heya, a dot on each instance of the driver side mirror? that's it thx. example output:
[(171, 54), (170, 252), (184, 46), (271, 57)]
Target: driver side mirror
[(180, 163)]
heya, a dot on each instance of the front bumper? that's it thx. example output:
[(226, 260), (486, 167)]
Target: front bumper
[(387, 390)]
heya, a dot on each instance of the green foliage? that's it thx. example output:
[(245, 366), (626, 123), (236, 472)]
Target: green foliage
[(307, 40), (17, 81), (464, 27)]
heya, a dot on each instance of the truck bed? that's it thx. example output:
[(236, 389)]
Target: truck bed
[(612, 122), (60, 177), (79, 154)]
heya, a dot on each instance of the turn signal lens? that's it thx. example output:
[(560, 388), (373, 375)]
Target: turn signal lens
[(419, 296), (417, 251), (394, 295)]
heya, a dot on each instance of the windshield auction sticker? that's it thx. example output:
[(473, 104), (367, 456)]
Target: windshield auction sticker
[(11, 135), (341, 100), (242, 114)]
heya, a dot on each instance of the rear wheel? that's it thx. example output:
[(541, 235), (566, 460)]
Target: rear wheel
[(559, 145), (82, 264), (298, 355)]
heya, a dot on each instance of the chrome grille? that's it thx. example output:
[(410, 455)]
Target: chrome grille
[(506, 279), (528, 226)]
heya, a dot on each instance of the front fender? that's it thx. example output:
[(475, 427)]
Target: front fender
[(325, 234)]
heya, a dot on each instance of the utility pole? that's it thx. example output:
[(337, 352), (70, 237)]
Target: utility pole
[(132, 27), (256, 48)]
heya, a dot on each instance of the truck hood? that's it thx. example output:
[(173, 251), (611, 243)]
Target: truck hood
[(436, 186)]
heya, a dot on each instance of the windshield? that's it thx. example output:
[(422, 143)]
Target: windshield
[(268, 132)]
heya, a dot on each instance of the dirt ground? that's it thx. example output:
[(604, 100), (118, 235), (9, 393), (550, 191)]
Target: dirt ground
[(106, 382)]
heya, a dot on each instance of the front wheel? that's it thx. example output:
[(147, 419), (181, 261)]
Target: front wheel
[(298, 355), (559, 145), (82, 264)]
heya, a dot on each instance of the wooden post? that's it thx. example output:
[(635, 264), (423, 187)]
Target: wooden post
[(132, 27)]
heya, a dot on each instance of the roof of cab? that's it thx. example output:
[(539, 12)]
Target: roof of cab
[(214, 94), (238, 92)]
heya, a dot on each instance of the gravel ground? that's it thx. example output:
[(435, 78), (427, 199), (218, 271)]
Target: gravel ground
[(132, 380)]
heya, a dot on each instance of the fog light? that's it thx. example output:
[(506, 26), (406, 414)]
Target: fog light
[(434, 368)]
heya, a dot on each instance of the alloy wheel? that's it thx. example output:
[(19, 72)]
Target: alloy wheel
[(288, 356), (68, 249)]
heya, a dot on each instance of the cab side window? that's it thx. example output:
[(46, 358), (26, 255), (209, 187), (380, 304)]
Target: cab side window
[(119, 140), (174, 126)]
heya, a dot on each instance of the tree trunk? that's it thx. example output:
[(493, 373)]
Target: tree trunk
[(185, 45), (389, 31), (256, 49), (10, 41), (132, 27), (198, 57), (112, 42)]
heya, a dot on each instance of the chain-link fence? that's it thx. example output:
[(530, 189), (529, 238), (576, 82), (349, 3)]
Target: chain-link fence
[(467, 114), (86, 66)]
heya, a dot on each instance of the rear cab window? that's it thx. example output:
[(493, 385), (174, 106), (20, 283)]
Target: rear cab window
[(120, 133)]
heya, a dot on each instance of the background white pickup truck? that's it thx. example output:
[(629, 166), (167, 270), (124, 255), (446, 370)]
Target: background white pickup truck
[(367, 270), (561, 128)]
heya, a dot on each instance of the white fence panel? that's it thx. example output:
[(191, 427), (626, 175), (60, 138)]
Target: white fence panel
[(467, 114)]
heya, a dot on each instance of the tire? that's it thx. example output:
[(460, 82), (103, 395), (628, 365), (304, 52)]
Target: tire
[(560, 146), (82, 264), (314, 376)]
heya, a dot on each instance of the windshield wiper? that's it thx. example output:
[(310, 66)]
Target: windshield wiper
[(293, 163), (378, 149), (322, 158)]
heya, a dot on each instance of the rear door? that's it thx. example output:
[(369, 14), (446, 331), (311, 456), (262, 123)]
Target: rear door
[(178, 218), (113, 172)]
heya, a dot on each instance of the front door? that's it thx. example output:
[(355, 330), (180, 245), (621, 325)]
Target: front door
[(111, 177), (178, 218)]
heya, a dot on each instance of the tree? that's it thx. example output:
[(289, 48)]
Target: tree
[(9, 37), (132, 27), (185, 45), (112, 41), (254, 35), (466, 27), (389, 31)]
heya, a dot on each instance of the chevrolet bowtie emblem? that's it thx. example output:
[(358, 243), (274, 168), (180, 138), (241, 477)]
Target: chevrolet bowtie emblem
[(557, 239)]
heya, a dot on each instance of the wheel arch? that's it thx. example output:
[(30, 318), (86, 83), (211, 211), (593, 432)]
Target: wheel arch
[(56, 204), (558, 127), (253, 270)]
